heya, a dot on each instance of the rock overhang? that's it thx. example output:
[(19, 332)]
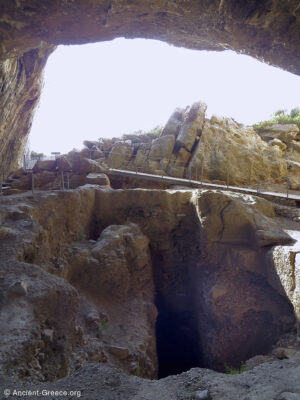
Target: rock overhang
[(267, 30)]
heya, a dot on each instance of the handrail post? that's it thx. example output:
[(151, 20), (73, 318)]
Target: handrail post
[(227, 178), (32, 183)]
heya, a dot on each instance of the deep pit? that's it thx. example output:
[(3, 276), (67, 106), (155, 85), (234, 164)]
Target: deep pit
[(149, 300)]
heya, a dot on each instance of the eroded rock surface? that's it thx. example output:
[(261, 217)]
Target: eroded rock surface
[(267, 30), (276, 381), (218, 150), (185, 276)]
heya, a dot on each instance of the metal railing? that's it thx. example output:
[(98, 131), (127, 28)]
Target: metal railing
[(186, 171)]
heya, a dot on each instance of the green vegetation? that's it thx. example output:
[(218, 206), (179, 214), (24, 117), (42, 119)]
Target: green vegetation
[(234, 371), (102, 326), (280, 117), (150, 135), (36, 156), (138, 371)]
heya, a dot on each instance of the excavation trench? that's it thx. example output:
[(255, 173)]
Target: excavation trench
[(165, 304)]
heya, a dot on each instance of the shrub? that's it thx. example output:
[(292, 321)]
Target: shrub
[(234, 371), (279, 117), (143, 135)]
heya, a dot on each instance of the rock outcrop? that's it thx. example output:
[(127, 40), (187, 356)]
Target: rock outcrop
[(267, 31), (286, 138), (276, 380), (215, 149), (85, 286), (20, 88), (68, 171), (227, 151)]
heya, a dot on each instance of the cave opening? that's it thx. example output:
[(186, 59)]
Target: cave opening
[(175, 266), (202, 325), (176, 341), (124, 79)]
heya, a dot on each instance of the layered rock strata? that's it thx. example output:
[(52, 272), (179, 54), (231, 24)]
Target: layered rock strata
[(268, 31), (215, 149), (90, 288)]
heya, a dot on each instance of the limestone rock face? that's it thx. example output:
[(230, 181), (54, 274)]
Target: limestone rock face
[(241, 287), (174, 123), (63, 164), (219, 150), (192, 126), (47, 165), (162, 148), (119, 155), (277, 142), (102, 381), (285, 133), (230, 151), (98, 179), (295, 146), (84, 165), (30, 32), (85, 286), (20, 83), (117, 273), (142, 155)]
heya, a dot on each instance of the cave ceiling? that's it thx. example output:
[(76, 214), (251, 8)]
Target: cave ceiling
[(30, 30), (266, 29)]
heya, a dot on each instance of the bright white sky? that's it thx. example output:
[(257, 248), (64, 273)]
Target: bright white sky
[(110, 88)]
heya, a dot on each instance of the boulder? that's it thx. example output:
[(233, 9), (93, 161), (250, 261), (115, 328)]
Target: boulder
[(44, 178), (96, 154), (294, 146), (106, 145), (98, 179), (284, 132), (121, 251), (77, 180), (90, 143), (49, 165), (18, 173), (120, 155), (162, 148), (63, 164), (192, 125), (22, 183), (120, 352), (229, 151), (142, 155), (174, 123), (278, 143), (85, 153), (86, 165), (294, 167), (245, 220), (178, 163), (294, 183)]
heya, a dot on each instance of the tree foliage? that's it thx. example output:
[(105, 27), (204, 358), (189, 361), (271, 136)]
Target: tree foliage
[(36, 156), (280, 117)]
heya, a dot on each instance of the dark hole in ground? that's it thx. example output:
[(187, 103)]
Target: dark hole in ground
[(176, 342)]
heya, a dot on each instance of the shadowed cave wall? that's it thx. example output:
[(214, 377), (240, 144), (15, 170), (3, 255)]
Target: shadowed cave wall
[(268, 30)]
